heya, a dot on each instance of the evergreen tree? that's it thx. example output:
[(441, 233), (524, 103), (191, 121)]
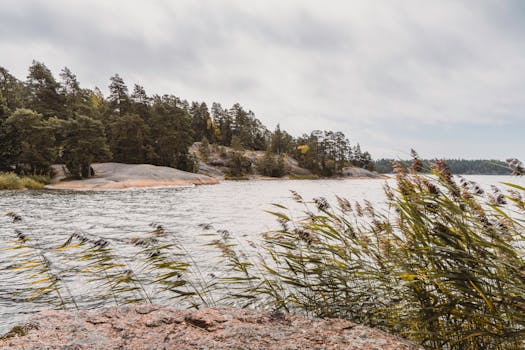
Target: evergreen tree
[(237, 143), (141, 103), (4, 110), (84, 143), (130, 140), (28, 143), (224, 122), (240, 124), (277, 141), (200, 121), (357, 155), (204, 149), (76, 99), (118, 95), (251, 132), (281, 141), (171, 133), (12, 91), (43, 92)]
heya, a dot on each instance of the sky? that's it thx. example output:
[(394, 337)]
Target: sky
[(446, 78)]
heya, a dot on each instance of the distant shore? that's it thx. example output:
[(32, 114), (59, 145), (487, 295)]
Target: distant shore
[(120, 176)]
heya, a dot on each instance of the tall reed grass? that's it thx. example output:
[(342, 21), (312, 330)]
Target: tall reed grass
[(443, 265)]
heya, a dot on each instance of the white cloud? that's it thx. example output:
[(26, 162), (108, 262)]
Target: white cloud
[(388, 73)]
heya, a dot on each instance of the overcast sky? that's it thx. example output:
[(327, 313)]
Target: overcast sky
[(446, 78)]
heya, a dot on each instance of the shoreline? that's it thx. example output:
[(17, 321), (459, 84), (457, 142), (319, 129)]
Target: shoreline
[(120, 176), (85, 185), (79, 185), (143, 326)]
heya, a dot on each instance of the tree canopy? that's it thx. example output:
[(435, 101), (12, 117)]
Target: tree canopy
[(44, 120)]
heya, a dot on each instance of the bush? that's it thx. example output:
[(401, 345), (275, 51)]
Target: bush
[(11, 181), (238, 165), (271, 165), (204, 150)]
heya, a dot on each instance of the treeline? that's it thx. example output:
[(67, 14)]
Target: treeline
[(457, 166), (45, 121)]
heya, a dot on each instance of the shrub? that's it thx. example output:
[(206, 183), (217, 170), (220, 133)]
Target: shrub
[(238, 165), (204, 150), (11, 181), (271, 165)]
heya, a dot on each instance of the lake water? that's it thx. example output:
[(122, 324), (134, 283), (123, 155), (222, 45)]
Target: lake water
[(49, 217)]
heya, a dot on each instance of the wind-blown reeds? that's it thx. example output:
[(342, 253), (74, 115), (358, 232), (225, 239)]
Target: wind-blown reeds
[(443, 265)]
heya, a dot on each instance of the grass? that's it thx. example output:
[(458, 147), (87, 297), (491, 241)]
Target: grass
[(303, 177), (12, 181), (444, 265), (236, 178)]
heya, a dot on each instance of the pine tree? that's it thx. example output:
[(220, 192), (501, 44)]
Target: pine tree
[(84, 143), (29, 144), (171, 133), (141, 102), (200, 121), (277, 140), (43, 92), (118, 95), (224, 122), (75, 101), (130, 139), (12, 91)]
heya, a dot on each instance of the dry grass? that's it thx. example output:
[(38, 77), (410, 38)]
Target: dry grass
[(11, 181)]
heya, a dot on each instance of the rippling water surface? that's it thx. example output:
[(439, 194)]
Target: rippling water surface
[(49, 217)]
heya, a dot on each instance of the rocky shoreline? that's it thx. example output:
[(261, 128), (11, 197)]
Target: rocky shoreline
[(156, 327), (113, 176), (119, 176)]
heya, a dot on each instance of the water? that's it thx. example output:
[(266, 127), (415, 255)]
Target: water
[(49, 217)]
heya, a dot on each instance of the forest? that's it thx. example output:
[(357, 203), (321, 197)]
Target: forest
[(45, 121)]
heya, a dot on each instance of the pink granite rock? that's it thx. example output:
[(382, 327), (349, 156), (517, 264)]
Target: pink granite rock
[(155, 327)]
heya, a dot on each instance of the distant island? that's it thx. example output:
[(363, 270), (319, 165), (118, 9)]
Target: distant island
[(457, 166), (44, 121)]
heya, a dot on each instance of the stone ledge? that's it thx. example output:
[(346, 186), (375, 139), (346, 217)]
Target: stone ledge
[(155, 327)]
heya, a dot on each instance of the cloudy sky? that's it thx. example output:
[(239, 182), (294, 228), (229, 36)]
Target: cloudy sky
[(444, 77)]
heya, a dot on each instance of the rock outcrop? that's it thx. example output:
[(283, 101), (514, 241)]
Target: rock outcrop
[(361, 173), (122, 176), (154, 327)]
